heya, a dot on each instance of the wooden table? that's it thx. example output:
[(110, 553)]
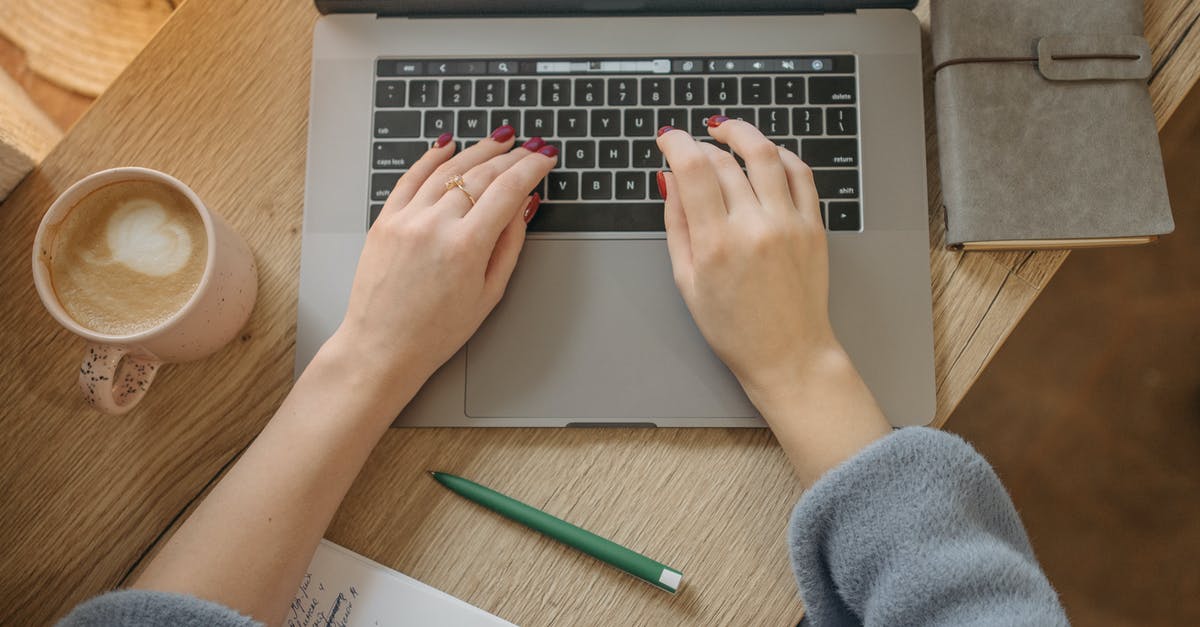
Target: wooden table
[(219, 98)]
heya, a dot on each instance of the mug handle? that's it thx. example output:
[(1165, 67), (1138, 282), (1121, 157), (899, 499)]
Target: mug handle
[(112, 381)]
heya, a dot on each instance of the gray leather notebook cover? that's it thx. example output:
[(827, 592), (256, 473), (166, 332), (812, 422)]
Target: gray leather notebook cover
[(1046, 134)]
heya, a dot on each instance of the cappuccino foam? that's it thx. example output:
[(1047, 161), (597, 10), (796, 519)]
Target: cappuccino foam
[(128, 256)]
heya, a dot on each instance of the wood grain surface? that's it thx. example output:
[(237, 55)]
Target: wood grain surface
[(219, 99)]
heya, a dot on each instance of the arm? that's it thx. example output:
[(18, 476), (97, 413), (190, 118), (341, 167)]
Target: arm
[(910, 527), (431, 270)]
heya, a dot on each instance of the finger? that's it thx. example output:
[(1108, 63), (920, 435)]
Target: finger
[(508, 249), (434, 188), (699, 192), (477, 179), (679, 243), (505, 197), (763, 165), (735, 189), (402, 194), (802, 189)]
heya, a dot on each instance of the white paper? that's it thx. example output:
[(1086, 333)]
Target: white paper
[(345, 589)]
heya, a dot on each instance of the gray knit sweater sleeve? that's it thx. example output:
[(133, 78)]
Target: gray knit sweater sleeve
[(916, 530), (147, 608)]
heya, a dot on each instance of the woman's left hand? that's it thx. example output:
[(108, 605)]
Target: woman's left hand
[(434, 266)]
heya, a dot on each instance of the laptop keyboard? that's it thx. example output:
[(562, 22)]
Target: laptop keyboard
[(603, 115)]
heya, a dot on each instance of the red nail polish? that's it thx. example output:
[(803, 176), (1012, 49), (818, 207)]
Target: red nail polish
[(504, 133), (549, 150), (534, 144), (531, 209), (665, 129), (662, 184), (716, 120), (443, 139)]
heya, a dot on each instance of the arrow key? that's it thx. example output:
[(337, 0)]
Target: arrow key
[(844, 216)]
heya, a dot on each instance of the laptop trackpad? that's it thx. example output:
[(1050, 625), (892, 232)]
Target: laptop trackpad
[(595, 329)]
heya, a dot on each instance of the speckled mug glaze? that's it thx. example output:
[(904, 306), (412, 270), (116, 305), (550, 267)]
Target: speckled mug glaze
[(117, 370)]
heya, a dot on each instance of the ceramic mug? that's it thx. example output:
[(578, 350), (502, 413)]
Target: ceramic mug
[(118, 369)]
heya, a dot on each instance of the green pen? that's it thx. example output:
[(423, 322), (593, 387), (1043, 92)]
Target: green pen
[(607, 551)]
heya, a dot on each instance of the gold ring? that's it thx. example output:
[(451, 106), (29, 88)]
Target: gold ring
[(457, 181)]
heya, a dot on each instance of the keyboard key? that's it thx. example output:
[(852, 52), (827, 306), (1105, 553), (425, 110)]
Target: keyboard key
[(397, 155), (844, 216), (831, 90), (596, 185), (806, 121), (722, 91), (789, 90), (631, 186), (500, 117), (677, 118), (773, 122), (472, 124), (538, 123), (572, 123), (556, 92), (622, 92), (756, 90), (522, 92), (656, 91), (646, 154), (689, 91), (614, 154), (700, 119), (823, 222), (456, 93), (438, 122), (687, 66), (422, 94), (373, 214), (389, 94), (397, 123), (489, 93), (589, 92), (580, 154), (836, 184), (392, 67), (743, 114), (788, 144), (841, 121), (562, 185), (830, 153), (618, 216), (606, 123), (440, 68), (639, 122), (652, 187), (382, 184), (503, 67)]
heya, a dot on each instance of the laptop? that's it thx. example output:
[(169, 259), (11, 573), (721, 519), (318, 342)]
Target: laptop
[(592, 330)]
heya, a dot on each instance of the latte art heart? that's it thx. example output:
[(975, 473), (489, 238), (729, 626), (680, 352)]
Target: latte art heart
[(128, 256), (143, 237)]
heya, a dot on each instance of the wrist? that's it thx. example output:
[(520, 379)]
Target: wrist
[(379, 379)]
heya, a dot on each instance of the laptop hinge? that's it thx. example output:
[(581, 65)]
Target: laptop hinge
[(577, 8)]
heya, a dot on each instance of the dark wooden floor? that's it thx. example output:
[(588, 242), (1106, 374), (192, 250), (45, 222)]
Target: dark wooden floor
[(1091, 415)]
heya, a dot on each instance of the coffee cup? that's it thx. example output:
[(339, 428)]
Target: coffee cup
[(132, 261)]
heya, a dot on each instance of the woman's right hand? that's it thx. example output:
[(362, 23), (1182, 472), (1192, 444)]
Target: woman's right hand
[(749, 256)]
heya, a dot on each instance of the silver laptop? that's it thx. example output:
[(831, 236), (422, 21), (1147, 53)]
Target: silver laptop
[(592, 330)]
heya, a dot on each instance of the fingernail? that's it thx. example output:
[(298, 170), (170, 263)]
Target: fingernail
[(443, 139), (665, 129), (662, 184), (504, 133), (534, 144), (532, 207), (549, 150), (716, 120)]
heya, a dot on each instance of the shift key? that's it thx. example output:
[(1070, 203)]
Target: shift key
[(836, 184), (830, 153)]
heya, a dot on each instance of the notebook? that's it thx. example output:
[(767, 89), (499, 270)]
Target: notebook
[(1046, 134), (345, 589)]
